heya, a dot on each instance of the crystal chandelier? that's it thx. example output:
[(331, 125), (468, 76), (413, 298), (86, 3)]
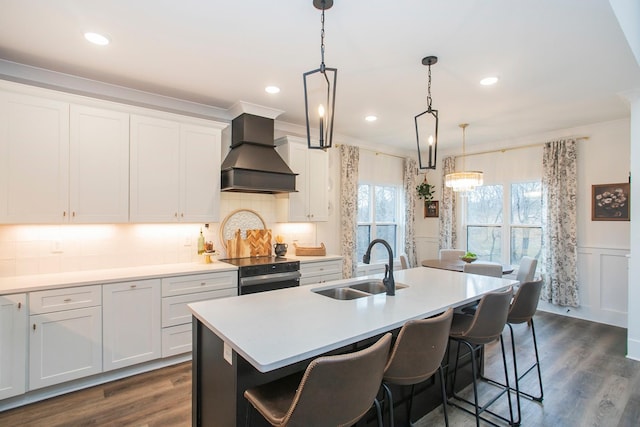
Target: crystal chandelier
[(461, 182)]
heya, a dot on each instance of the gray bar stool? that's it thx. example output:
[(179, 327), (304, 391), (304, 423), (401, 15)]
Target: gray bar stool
[(417, 355), (522, 309), (334, 390), (474, 331)]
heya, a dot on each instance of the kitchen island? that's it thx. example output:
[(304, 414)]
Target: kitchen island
[(243, 341)]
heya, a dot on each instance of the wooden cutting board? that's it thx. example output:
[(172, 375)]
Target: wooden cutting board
[(257, 243)]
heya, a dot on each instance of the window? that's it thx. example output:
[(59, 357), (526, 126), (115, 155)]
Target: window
[(486, 224), (378, 218), (526, 220)]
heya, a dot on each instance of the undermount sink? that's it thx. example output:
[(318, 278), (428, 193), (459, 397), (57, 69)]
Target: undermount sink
[(374, 287), (345, 293), (357, 290)]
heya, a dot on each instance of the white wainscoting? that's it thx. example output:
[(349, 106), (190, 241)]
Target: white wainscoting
[(604, 282)]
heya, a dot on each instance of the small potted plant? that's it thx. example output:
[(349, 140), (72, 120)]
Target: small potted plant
[(425, 191)]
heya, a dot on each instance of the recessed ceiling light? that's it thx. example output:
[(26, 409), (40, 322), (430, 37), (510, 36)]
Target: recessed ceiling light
[(272, 89), (371, 118), (488, 81), (96, 38)]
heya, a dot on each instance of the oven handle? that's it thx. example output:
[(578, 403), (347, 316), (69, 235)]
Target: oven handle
[(269, 278)]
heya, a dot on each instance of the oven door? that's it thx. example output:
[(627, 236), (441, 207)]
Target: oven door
[(268, 282)]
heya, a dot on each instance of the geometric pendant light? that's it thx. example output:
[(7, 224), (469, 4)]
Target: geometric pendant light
[(427, 126), (320, 94)]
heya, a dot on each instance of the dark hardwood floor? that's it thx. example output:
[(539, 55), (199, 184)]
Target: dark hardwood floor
[(587, 382)]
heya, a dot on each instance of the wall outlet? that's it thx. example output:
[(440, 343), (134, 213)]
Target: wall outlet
[(56, 247), (187, 241)]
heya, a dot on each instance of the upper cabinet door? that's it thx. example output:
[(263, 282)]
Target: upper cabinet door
[(155, 170), (34, 159), (200, 172), (99, 166)]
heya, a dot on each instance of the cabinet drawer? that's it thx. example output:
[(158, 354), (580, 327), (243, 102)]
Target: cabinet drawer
[(321, 268), (180, 285), (176, 340), (176, 312), (64, 299)]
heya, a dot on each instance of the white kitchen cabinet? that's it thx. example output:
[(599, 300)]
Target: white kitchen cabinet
[(62, 163), (131, 323), (320, 271), (13, 345), (175, 171), (179, 291), (99, 166), (65, 341), (34, 159), (310, 203)]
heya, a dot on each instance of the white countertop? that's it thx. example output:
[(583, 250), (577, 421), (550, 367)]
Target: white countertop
[(278, 328), (38, 282)]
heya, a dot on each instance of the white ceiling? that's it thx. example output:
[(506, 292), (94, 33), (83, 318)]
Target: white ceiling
[(561, 63)]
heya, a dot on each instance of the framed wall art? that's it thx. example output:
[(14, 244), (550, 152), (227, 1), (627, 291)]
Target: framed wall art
[(610, 202), (431, 209)]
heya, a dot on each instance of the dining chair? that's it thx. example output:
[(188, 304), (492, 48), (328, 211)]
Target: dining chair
[(474, 331), (522, 309), (451, 254), (416, 356), (484, 268), (334, 390), (526, 269), (404, 263)]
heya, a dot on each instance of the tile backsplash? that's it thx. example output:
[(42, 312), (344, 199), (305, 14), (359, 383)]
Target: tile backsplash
[(42, 249)]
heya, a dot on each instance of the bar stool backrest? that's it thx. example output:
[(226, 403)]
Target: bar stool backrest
[(490, 317), (338, 390), (525, 302), (418, 350)]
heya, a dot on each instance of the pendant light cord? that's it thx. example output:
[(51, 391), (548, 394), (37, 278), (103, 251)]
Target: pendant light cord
[(322, 41), (429, 90)]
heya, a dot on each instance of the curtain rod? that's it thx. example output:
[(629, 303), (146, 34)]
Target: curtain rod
[(376, 152), (502, 150)]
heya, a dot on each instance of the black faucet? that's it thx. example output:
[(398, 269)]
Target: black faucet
[(388, 280)]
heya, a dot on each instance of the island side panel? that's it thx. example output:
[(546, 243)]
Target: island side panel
[(213, 381)]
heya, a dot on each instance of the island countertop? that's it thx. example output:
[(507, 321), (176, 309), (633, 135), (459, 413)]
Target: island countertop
[(279, 328)]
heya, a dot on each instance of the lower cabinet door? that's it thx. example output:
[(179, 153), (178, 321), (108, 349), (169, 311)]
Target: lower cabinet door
[(64, 346), (132, 327), (13, 345)]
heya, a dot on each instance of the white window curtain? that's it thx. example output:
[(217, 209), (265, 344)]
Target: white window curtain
[(349, 158), (448, 234), (559, 241), (409, 185)]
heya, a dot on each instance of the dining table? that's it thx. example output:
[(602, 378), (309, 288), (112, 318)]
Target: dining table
[(458, 265)]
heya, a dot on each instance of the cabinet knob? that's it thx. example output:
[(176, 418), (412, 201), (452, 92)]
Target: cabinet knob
[(176, 214), (133, 286), (73, 214), (19, 305), (67, 300), (182, 215), (34, 326), (64, 214), (203, 283)]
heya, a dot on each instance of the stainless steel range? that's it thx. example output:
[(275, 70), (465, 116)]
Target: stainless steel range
[(260, 274)]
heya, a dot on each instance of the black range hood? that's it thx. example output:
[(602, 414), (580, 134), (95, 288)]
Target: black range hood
[(253, 165)]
